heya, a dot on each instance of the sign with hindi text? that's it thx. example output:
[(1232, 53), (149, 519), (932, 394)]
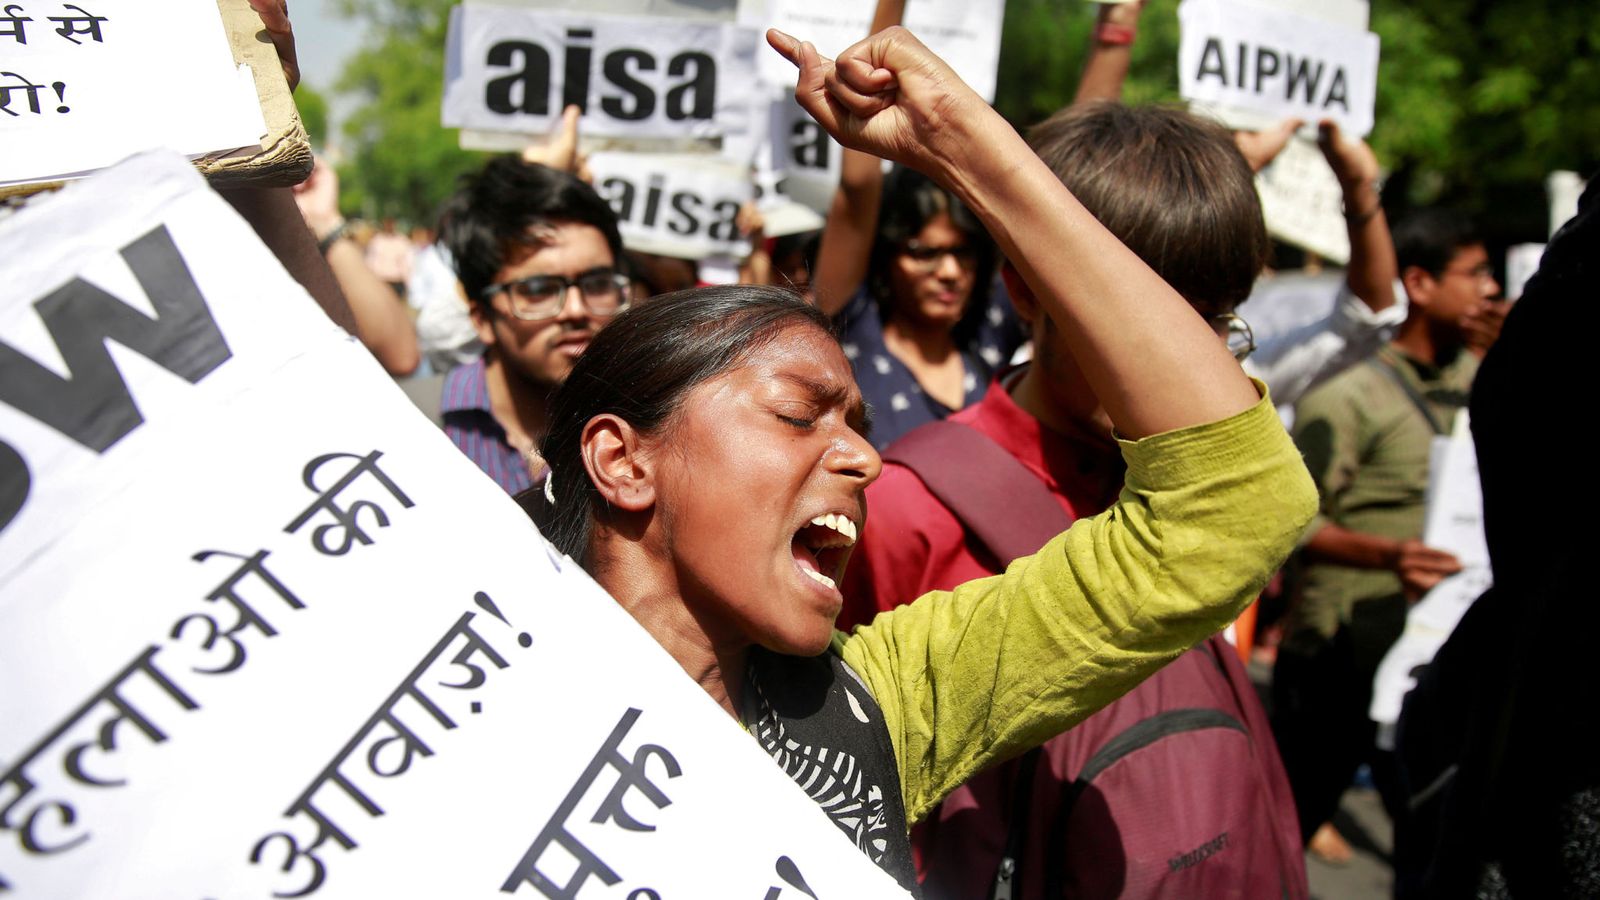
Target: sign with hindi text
[(84, 84), (264, 631), (514, 69)]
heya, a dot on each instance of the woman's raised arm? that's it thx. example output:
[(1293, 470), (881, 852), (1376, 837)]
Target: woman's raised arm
[(1154, 363)]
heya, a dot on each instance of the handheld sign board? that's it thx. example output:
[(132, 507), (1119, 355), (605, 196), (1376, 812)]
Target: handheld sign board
[(515, 69), (267, 633), (675, 205), (68, 105), (1266, 60)]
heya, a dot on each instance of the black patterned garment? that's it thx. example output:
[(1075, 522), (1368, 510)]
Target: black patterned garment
[(818, 721)]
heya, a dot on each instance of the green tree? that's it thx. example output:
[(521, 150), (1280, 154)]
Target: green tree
[(402, 162), (1477, 99), (313, 113)]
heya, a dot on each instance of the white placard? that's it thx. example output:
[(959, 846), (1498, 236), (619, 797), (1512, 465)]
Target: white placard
[(675, 205), (266, 632), (1522, 261), (1455, 524), (514, 70), (1274, 62), (965, 33), (84, 84), (803, 156), (1302, 202)]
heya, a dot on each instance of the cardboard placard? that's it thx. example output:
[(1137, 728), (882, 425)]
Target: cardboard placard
[(268, 633)]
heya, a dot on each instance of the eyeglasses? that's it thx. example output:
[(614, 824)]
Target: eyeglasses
[(604, 292), (1479, 272), (926, 257), (1241, 339)]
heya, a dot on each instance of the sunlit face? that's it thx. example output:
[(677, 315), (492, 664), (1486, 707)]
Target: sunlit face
[(1462, 288), (759, 491), (932, 276), (542, 353)]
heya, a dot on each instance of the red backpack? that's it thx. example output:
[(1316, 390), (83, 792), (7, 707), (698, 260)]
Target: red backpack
[(1175, 790)]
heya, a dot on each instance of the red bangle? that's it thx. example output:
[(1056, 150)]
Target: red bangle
[(1114, 35)]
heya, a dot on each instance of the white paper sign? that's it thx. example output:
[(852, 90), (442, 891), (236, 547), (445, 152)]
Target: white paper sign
[(84, 84), (1522, 261), (965, 34), (1302, 202), (515, 69), (1278, 63), (675, 205), (803, 156), (267, 633), (1455, 524)]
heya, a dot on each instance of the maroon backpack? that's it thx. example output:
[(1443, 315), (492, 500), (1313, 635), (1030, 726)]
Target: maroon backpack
[(1175, 790)]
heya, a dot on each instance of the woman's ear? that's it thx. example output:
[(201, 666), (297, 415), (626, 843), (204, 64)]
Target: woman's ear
[(613, 452)]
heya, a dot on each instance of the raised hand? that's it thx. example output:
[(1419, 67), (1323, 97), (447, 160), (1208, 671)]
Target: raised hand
[(887, 95), (561, 151), (1260, 148), (1352, 161)]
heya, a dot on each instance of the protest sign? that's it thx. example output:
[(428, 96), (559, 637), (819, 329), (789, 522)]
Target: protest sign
[(267, 633), (1277, 63), (675, 205), (514, 70), (1522, 261), (85, 84), (1302, 202), (803, 157), (1455, 524), (965, 33)]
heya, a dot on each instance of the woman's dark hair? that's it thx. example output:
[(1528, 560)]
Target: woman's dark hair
[(496, 209), (639, 368), (1171, 186), (910, 200)]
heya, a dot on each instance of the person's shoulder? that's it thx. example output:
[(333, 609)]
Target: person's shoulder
[(1350, 387)]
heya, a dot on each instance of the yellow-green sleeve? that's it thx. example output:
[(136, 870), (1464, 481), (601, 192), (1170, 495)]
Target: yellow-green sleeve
[(969, 677)]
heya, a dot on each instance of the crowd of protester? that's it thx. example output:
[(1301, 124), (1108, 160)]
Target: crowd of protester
[(1029, 358)]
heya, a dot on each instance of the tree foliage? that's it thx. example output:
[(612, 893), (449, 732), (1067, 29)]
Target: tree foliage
[(1478, 100), (402, 162)]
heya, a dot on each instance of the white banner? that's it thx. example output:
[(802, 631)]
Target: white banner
[(1247, 56), (804, 157), (675, 205), (965, 33), (1302, 202), (514, 69), (84, 84), (265, 632), (1454, 523)]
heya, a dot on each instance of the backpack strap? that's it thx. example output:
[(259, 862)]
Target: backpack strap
[(1002, 504), (1387, 367), (1011, 513)]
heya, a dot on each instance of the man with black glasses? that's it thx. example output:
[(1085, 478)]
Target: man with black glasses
[(537, 252)]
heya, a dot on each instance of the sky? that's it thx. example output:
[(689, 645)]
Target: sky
[(322, 42)]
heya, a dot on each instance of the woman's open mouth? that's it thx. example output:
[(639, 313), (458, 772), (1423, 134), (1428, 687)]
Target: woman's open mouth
[(822, 546)]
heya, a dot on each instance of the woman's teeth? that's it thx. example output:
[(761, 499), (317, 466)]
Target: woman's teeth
[(819, 578), (836, 522)]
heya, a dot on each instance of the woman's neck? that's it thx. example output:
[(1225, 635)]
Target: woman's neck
[(930, 344), (717, 666)]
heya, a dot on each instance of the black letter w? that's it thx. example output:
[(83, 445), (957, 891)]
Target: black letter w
[(92, 404)]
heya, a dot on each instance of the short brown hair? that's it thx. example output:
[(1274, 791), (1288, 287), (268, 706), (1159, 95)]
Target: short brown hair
[(1171, 186)]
